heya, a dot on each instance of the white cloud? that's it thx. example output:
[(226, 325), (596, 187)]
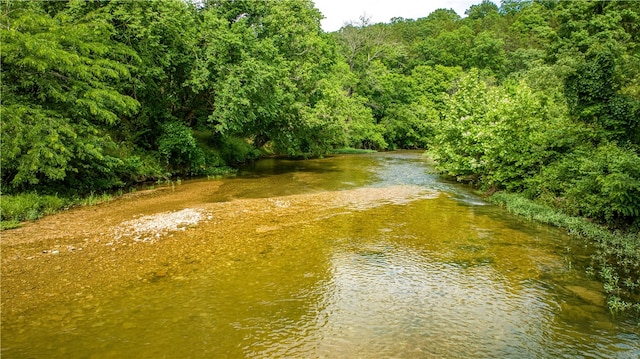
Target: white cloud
[(338, 12)]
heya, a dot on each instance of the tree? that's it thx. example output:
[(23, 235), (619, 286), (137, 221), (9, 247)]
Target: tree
[(487, 52), (594, 97), (58, 99), (259, 69), (363, 43), (597, 39), (484, 9), (500, 137), (449, 48), (340, 118), (162, 36)]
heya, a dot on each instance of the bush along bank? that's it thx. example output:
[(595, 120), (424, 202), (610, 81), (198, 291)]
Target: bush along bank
[(616, 260)]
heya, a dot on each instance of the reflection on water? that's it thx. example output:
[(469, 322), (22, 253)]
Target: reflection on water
[(433, 275)]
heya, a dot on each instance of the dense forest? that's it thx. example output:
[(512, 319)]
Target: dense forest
[(539, 98)]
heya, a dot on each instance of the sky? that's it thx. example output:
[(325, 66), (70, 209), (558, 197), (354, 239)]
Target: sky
[(338, 12)]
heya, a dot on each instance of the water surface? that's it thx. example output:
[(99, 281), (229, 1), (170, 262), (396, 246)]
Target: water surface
[(369, 256)]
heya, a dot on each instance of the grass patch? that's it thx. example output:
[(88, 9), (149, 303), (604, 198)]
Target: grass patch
[(9, 224), (29, 206), (616, 260), (22, 207), (93, 199)]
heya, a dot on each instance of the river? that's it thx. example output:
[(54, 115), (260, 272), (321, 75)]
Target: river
[(354, 256)]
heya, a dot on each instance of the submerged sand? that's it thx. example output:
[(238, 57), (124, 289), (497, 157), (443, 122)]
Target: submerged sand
[(154, 234)]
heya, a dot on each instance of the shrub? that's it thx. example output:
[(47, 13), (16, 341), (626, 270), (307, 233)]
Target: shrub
[(602, 183), (179, 149), (235, 150)]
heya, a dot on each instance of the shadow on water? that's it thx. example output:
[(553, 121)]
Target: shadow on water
[(275, 177), (281, 177), (278, 166)]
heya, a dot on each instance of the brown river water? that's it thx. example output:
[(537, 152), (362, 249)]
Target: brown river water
[(367, 256)]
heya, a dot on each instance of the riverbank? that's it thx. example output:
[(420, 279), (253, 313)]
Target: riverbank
[(16, 209), (23, 207), (616, 258)]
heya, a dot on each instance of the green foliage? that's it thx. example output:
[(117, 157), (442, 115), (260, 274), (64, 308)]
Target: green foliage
[(235, 150), (29, 206), (364, 134), (42, 150), (484, 9), (516, 138), (362, 43), (63, 65), (601, 183), (162, 35), (339, 118), (10, 224), (601, 45), (408, 126), (594, 96), (179, 149), (262, 78), (139, 167), (57, 97), (487, 52), (469, 130), (35, 146), (449, 48)]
